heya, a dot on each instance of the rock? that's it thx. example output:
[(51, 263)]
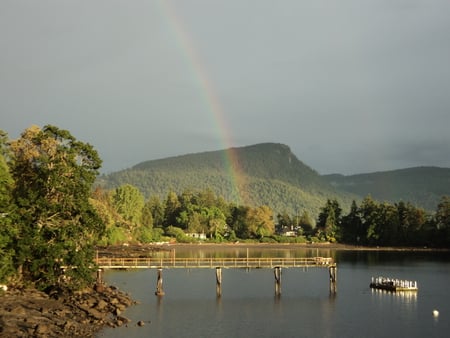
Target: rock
[(99, 287), (31, 313), (18, 310), (121, 320), (101, 305), (42, 329), (141, 323)]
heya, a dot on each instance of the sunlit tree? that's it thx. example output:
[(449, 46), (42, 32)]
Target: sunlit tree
[(54, 174), (129, 202)]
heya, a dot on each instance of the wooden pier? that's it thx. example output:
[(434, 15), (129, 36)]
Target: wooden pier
[(194, 263), (275, 263)]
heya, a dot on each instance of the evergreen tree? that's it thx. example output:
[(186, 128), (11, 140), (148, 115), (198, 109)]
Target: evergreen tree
[(329, 220), (351, 228), (443, 221)]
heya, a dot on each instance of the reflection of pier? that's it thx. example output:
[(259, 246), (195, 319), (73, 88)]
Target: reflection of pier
[(276, 263)]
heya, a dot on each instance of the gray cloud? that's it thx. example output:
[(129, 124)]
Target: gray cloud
[(351, 86)]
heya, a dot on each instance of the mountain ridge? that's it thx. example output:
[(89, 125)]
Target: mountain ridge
[(270, 174), (423, 185)]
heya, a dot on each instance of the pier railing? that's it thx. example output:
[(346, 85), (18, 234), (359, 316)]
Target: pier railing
[(212, 262)]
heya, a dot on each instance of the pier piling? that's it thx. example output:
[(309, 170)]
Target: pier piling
[(277, 273), (219, 281), (333, 274), (99, 276), (159, 284)]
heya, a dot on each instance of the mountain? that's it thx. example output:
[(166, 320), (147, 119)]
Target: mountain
[(263, 174), (422, 186)]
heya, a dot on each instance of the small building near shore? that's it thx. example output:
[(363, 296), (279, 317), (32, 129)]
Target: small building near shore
[(196, 235)]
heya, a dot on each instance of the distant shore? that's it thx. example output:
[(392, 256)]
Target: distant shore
[(335, 246), (147, 250)]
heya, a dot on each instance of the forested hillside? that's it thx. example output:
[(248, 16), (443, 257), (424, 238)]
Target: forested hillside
[(264, 174), (421, 186)]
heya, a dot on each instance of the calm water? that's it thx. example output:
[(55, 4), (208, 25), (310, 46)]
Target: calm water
[(249, 308)]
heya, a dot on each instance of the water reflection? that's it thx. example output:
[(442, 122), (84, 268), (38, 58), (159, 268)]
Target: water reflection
[(305, 308), (242, 251), (403, 296)]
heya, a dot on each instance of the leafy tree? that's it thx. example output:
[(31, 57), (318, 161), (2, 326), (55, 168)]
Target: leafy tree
[(284, 221), (54, 174), (172, 208), (7, 230), (217, 225), (157, 211), (147, 215), (260, 222), (238, 221), (306, 222), (129, 202)]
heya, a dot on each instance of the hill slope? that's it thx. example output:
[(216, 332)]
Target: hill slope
[(263, 174), (422, 186)]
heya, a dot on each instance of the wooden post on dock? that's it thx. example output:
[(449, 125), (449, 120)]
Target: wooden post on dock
[(277, 273), (159, 284), (219, 281), (99, 276), (333, 274)]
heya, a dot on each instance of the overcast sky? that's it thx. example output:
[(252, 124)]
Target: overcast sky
[(351, 86)]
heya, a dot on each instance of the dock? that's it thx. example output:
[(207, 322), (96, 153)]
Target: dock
[(202, 263), (393, 285), (275, 263)]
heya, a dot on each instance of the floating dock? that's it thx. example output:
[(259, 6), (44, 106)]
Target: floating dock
[(393, 285)]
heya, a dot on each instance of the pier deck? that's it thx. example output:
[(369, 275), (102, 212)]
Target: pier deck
[(195, 263)]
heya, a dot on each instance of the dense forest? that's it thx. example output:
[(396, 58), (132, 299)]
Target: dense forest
[(421, 186), (263, 174), (53, 215)]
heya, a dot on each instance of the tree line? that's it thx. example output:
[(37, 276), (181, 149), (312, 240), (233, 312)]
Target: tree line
[(129, 217), (53, 216), (383, 224)]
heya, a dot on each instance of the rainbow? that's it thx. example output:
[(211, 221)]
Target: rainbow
[(210, 99)]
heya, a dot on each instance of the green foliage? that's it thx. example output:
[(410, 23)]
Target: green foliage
[(7, 230), (269, 174), (57, 225), (329, 220), (115, 235), (129, 203), (400, 224), (420, 186), (178, 234)]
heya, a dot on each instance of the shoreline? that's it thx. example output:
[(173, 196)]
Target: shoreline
[(148, 250), (334, 246), (33, 313)]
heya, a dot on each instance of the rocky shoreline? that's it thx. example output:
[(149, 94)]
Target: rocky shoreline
[(31, 313)]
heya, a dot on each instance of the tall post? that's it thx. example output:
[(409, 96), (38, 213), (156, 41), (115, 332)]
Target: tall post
[(99, 276), (333, 278), (277, 273), (219, 282), (159, 284)]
